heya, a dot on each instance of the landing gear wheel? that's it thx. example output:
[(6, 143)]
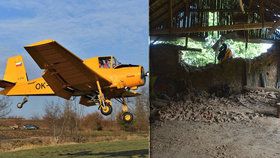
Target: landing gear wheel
[(106, 110), (19, 105), (127, 117)]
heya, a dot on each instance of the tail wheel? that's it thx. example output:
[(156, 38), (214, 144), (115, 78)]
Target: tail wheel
[(127, 117), (106, 109), (19, 105)]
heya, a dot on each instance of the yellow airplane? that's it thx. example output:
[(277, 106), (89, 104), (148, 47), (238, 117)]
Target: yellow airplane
[(96, 80)]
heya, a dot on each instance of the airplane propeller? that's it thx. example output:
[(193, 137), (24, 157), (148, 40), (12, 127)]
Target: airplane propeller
[(147, 74)]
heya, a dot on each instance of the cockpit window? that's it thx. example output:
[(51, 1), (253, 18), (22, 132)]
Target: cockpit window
[(115, 62), (108, 62), (105, 62)]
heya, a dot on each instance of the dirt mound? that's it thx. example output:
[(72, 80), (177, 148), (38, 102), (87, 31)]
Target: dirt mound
[(211, 109)]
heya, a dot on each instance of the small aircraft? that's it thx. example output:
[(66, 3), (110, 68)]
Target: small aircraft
[(96, 80)]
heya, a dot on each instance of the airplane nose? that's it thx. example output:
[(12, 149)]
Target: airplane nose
[(143, 75)]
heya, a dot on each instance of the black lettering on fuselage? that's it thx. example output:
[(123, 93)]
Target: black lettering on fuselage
[(39, 86), (43, 85)]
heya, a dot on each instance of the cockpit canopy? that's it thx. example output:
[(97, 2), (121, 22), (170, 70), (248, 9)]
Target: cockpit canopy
[(108, 62)]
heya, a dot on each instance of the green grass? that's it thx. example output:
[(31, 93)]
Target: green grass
[(132, 148), (114, 133)]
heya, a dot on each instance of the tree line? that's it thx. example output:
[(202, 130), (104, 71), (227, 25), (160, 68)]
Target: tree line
[(66, 120)]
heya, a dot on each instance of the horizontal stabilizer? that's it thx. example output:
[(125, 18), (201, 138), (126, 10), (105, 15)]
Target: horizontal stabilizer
[(6, 84)]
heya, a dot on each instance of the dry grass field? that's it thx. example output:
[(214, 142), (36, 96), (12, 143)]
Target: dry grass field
[(92, 143)]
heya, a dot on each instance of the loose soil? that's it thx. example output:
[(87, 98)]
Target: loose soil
[(241, 125)]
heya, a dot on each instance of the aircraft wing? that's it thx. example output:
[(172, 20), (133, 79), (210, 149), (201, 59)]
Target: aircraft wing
[(130, 94), (119, 93), (64, 72)]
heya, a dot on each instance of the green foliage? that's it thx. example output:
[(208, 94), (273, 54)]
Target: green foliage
[(207, 55), (239, 48)]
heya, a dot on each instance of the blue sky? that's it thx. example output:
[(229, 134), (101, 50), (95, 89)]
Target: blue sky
[(86, 27)]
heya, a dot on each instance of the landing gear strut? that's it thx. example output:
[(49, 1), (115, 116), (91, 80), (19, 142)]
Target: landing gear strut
[(105, 105), (20, 104), (126, 116)]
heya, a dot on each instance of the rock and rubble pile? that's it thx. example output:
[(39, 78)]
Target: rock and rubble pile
[(212, 109)]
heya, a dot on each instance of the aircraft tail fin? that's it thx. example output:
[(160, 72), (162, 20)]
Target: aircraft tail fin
[(15, 71)]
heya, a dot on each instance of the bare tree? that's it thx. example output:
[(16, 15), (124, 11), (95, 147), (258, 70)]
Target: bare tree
[(93, 121), (35, 116), (71, 117), (52, 116), (5, 106), (142, 111)]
